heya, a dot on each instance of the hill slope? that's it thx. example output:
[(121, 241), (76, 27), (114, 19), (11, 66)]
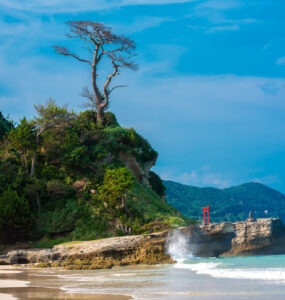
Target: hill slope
[(230, 204), (76, 180)]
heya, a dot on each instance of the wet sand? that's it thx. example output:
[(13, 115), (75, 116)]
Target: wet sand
[(18, 284)]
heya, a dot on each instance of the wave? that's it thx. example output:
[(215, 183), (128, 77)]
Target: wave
[(178, 246), (215, 270)]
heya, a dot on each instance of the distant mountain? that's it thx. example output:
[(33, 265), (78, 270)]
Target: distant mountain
[(230, 204)]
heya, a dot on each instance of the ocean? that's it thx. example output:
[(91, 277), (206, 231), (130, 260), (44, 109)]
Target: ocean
[(258, 277), (255, 277)]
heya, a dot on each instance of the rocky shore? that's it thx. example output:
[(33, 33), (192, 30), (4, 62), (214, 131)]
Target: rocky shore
[(254, 237), (105, 253)]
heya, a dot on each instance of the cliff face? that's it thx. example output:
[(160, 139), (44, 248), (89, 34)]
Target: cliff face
[(141, 173), (263, 236), (260, 237)]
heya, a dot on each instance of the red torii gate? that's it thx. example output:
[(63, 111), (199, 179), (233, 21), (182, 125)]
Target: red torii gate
[(206, 211)]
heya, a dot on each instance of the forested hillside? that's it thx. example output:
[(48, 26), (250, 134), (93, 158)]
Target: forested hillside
[(63, 177), (229, 204)]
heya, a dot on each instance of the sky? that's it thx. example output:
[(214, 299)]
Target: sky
[(209, 93)]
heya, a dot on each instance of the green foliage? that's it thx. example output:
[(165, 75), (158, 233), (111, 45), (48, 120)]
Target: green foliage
[(110, 120), (230, 204), (16, 220), (79, 188), (47, 242), (147, 206), (50, 114), (156, 184), (61, 217), (116, 184), (5, 126), (23, 137), (58, 188), (23, 140), (128, 140)]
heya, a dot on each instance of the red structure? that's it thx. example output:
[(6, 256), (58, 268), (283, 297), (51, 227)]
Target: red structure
[(206, 211)]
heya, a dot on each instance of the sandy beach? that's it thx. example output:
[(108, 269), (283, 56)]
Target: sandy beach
[(14, 285)]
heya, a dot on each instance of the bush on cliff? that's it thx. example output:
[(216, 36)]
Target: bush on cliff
[(156, 184), (16, 220)]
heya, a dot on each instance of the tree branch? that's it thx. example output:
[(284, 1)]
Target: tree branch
[(65, 51), (106, 85), (115, 87)]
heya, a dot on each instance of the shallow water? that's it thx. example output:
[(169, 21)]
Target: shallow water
[(256, 277), (259, 277)]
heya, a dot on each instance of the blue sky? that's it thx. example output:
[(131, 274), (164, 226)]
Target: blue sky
[(209, 93)]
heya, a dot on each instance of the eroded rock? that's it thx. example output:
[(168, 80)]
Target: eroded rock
[(261, 237)]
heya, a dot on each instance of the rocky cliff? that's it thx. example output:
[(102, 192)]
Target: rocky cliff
[(257, 237)]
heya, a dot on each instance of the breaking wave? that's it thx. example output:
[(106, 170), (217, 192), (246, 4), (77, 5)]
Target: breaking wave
[(180, 250), (178, 247), (218, 270)]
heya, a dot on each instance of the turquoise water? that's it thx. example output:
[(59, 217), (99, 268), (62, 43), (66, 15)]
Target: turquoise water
[(259, 277), (256, 277)]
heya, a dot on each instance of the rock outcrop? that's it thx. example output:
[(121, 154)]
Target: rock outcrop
[(255, 237), (252, 237), (140, 172), (126, 250)]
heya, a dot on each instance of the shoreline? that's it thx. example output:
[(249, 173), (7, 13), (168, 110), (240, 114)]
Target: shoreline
[(264, 236), (14, 285)]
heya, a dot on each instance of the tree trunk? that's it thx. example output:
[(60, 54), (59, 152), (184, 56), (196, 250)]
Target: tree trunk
[(33, 167), (125, 207), (38, 201), (100, 115), (26, 163), (33, 163)]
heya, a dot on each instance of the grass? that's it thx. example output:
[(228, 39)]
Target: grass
[(77, 242), (47, 243)]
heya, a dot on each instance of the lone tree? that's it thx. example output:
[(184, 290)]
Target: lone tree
[(101, 43)]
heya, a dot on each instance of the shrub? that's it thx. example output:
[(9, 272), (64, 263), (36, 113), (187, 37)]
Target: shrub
[(156, 184), (110, 120), (16, 220), (116, 184)]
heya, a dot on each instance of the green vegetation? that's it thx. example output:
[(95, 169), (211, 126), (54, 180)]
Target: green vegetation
[(16, 220), (61, 179), (230, 204), (5, 126), (63, 175)]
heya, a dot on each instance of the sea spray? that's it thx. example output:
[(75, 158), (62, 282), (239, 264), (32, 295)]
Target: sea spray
[(178, 246)]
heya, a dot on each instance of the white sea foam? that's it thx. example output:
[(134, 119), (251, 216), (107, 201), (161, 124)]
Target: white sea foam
[(215, 270), (178, 246)]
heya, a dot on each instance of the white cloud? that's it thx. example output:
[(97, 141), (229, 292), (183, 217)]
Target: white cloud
[(72, 6), (270, 88), (154, 2), (281, 61), (201, 177), (223, 28), (268, 180), (215, 12), (140, 24), (220, 4)]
